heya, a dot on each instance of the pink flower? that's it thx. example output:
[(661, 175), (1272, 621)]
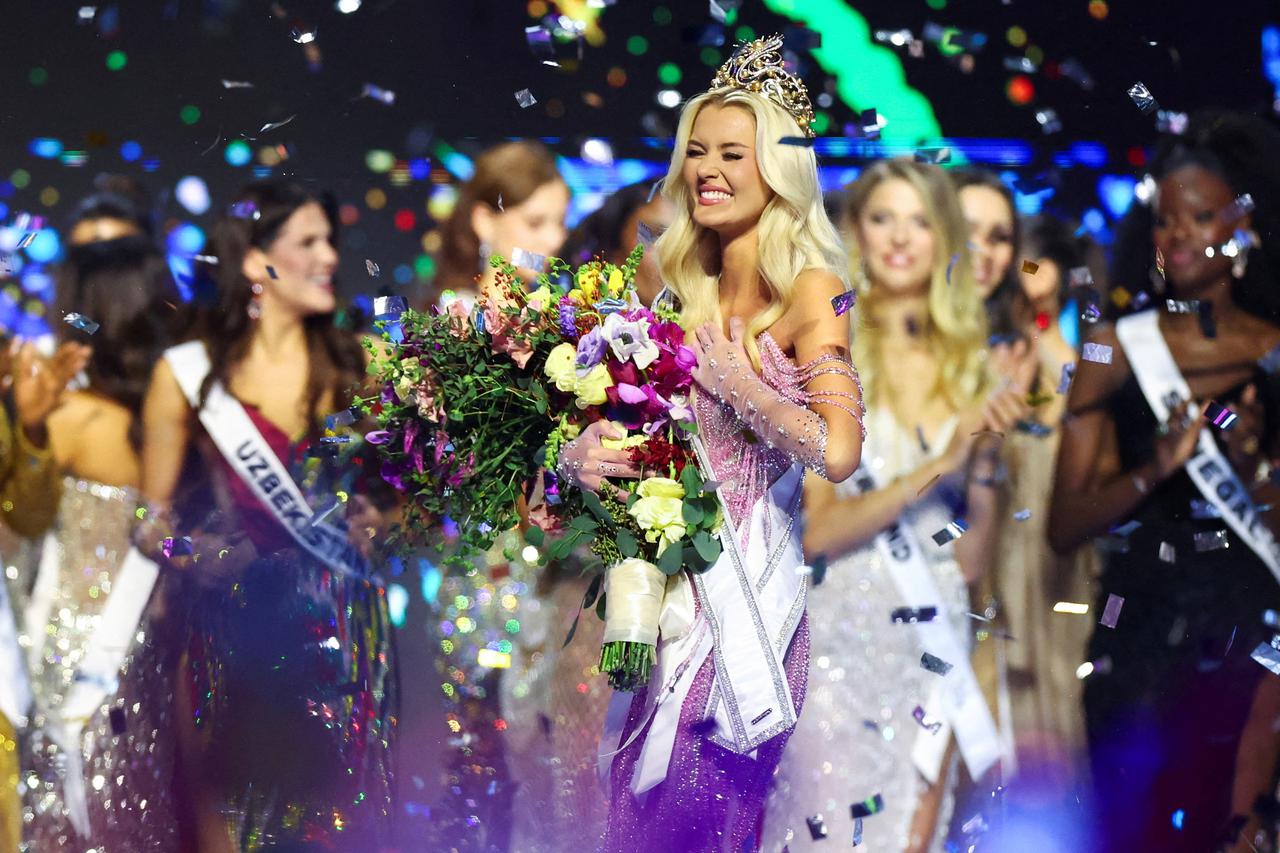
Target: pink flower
[(459, 318), (544, 519)]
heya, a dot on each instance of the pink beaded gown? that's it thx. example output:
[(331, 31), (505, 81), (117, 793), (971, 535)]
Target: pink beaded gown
[(721, 759)]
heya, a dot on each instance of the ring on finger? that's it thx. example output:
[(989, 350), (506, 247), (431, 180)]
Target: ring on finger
[(1162, 429)]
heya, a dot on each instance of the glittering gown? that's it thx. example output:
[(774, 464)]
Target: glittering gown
[(856, 735), (713, 798), (124, 763), (292, 674)]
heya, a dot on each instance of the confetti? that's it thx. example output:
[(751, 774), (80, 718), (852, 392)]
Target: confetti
[(953, 530), (175, 547), (525, 99), (1097, 353), (245, 210), (276, 124), (653, 190), (528, 260), (118, 726), (1142, 97), (913, 614), (720, 9), (934, 664), (236, 84), (951, 265), (1168, 121), (1030, 267), (1077, 73), (1080, 277), (817, 827), (1167, 553), (1127, 528), (843, 302), (1271, 618), (1064, 381), (331, 503), (81, 322), (390, 307), (1238, 209), (1182, 306), (378, 93), (373, 269), (271, 271), (870, 123), (1219, 415), (1091, 314), (339, 419), (1111, 612), (1270, 363), (1072, 607), (26, 239), (871, 805), (539, 41), (1211, 540), (302, 35), (936, 156), (798, 141), (1179, 816), (85, 14), (1022, 515), (335, 439), (919, 716), (857, 831), (1048, 121), (1019, 63)]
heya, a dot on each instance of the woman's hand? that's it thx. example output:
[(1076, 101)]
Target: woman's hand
[(1015, 362), (1176, 438), (366, 525), (587, 463), (39, 383), (1244, 438), (720, 359)]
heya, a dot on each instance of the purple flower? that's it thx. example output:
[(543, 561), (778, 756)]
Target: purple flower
[(568, 318), (591, 349), (391, 473), (377, 436), (635, 407), (629, 339)]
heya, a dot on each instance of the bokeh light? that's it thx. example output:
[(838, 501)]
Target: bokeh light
[(193, 194), (238, 153), (116, 60)]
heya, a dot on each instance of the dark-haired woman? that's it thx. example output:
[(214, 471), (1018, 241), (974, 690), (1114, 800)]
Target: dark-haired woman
[(97, 773), (285, 697), (1192, 566), (614, 229)]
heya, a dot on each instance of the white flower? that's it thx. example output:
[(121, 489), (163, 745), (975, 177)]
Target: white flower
[(629, 339)]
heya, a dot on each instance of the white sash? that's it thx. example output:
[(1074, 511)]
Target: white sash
[(751, 605), (253, 460), (1157, 374), (105, 652), (15, 687), (956, 699)]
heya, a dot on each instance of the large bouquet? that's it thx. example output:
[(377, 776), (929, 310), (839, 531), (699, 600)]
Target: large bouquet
[(477, 405)]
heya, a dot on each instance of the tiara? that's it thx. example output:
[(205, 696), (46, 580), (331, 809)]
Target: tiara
[(756, 66)]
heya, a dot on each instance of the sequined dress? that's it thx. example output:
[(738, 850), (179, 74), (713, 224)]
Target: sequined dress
[(125, 759), (294, 684), (713, 798), (855, 737)]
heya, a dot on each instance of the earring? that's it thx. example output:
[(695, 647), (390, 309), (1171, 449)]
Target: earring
[(255, 301), (485, 251)]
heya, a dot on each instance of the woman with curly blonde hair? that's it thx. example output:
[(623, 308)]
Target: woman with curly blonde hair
[(690, 757), (891, 616)]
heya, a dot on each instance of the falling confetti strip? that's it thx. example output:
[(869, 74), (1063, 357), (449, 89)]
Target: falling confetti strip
[(1097, 353), (843, 302), (1111, 612), (913, 614), (934, 664)]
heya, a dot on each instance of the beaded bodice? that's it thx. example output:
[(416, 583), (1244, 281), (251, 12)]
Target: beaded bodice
[(744, 463)]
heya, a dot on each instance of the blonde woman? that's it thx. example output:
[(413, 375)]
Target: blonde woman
[(755, 265), (929, 461)]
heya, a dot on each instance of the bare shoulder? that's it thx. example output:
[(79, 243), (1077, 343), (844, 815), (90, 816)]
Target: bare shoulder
[(812, 314), (1098, 378)]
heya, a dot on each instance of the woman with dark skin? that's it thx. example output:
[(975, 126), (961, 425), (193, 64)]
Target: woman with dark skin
[(1172, 685)]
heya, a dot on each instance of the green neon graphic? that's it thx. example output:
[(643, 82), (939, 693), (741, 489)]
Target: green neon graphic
[(867, 76)]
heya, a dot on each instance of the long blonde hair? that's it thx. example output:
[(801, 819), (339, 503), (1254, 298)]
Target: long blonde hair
[(957, 324), (794, 232)]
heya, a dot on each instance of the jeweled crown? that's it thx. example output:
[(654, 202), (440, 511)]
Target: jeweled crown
[(757, 67)]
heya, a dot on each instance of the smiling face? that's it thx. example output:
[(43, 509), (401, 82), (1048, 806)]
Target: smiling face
[(896, 238), (535, 225), (303, 259), (721, 172), (1188, 221), (990, 235)]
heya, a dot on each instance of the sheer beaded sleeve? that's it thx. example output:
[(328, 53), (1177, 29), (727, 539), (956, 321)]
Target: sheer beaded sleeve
[(828, 398)]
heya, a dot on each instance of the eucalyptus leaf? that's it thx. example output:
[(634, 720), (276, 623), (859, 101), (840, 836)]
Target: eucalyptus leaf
[(671, 560), (592, 502), (692, 513), (535, 536), (627, 543), (707, 546)]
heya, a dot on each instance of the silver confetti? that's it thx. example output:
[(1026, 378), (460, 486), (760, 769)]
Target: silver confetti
[(525, 99), (1022, 515), (1268, 656), (1167, 553), (236, 84), (817, 827), (1127, 528), (1019, 63), (1111, 612), (528, 260), (373, 269), (389, 307), (1142, 96), (1049, 121), (1202, 509), (1238, 209), (720, 9), (934, 664), (81, 322), (1182, 306), (1097, 353), (1080, 277), (276, 124), (1271, 618), (1211, 540), (857, 831), (1169, 121), (1064, 381), (378, 93)]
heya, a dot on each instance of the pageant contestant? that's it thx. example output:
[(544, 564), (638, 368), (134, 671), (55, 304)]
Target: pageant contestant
[(286, 697), (878, 721), (755, 264), (99, 773), (1184, 595)]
